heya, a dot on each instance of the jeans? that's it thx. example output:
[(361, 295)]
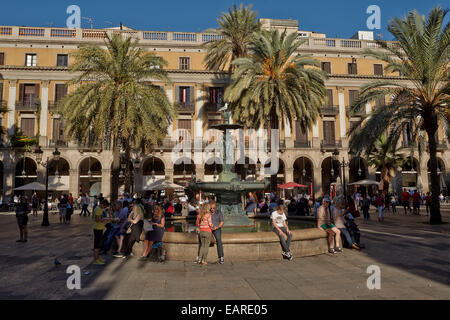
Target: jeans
[(285, 243), (394, 208), (205, 239), (111, 236), (380, 212), (347, 236), (84, 209), (218, 235)]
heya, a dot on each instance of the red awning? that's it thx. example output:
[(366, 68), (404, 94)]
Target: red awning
[(291, 185)]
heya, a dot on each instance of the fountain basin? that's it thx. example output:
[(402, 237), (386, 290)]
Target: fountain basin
[(246, 246)]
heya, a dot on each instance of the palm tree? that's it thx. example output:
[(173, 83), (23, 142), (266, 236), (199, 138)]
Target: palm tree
[(114, 103), (235, 29), (421, 54), (276, 83), (385, 155)]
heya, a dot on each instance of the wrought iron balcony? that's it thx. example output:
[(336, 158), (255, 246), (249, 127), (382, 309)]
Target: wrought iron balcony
[(27, 105), (58, 143), (330, 145), (330, 110), (211, 107), (302, 144), (359, 113), (185, 108)]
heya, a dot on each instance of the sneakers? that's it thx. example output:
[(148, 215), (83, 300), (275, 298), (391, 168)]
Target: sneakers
[(330, 250), (338, 249), (99, 262), (355, 246), (196, 260), (119, 255), (142, 258), (221, 261)]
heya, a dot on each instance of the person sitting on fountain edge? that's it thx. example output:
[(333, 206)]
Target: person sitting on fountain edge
[(282, 230), (324, 223)]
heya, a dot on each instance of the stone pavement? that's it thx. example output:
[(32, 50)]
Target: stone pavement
[(413, 256)]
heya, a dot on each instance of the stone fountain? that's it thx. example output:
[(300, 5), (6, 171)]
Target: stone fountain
[(228, 188)]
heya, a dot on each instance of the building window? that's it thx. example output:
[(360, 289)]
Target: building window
[(326, 66), (352, 96), (60, 91), (329, 132), (31, 60), (184, 130), (27, 126), (330, 101), (184, 96), (28, 94), (378, 69), (215, 96), (1, 92), (185, 63), (301, 135), (352, 68), (2, 59), (58, 131), (380, 102), (62, 60)]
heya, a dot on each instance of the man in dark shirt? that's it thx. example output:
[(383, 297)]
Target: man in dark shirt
[(22, 210), (217, 221)]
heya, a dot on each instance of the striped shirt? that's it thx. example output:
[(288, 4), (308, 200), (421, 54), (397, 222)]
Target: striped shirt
[(205, 223)]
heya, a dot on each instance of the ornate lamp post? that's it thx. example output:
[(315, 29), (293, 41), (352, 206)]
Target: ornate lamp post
[(47, 165), (342, 165)]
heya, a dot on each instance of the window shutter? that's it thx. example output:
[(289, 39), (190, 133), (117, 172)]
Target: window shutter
[(37, 91), (330, 97), (27, 126), (2, 58), (177, 94), (332, 129), (21, 92), (60, 91), (300, 135), (1, 94), (192, 97)]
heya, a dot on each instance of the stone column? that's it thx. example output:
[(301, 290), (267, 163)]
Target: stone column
[(200, 172), (8, 180), (169, 93), (317, 182), (199, 111), (316, 136), (11, 106), (288, 134), (73, 182), (169, 174), (288, 175), (43, 138), (342, 117), (106, 183)]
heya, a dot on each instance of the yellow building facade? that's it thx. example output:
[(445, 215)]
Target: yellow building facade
[(34, 70)]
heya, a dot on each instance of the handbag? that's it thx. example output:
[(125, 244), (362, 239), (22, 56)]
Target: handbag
[(213, 241), (148, 226), (129, 228)]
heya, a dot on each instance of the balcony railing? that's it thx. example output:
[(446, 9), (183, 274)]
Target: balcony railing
[(330, 110), (441, 145), (97, 35), (330, 145), (185, 108), (212, 107), (302, 144), (58, 143), (27, 105), (359, 113)]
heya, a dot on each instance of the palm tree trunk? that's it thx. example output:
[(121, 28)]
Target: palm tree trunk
[(431, 126), (115, 170), (128, 169), (273, 125)]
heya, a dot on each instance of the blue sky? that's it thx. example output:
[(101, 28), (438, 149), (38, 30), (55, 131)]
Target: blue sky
[(335, 18)]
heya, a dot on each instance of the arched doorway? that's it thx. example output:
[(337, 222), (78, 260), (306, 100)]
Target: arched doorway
[(58, 176), (153, 169), (304, 173), (441, 175), (183, 171), (90, 171), (330, 176), (25, 172), (213, 167)]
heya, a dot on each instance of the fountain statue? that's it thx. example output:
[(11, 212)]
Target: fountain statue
[(228, 189)]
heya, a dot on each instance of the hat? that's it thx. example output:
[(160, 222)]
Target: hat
[(326, 199)]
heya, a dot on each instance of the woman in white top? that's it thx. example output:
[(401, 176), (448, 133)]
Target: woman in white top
[(339, 222), (282, 230)]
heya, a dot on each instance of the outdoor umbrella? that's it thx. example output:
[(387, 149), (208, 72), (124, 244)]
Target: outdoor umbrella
[(365, 182), (34, 186), (163, 185), (291, 185)]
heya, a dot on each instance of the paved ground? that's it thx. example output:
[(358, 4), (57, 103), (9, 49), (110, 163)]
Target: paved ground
[(413, 256)]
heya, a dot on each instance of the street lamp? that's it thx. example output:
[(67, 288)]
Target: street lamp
[(342, 165), (47, 165)]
